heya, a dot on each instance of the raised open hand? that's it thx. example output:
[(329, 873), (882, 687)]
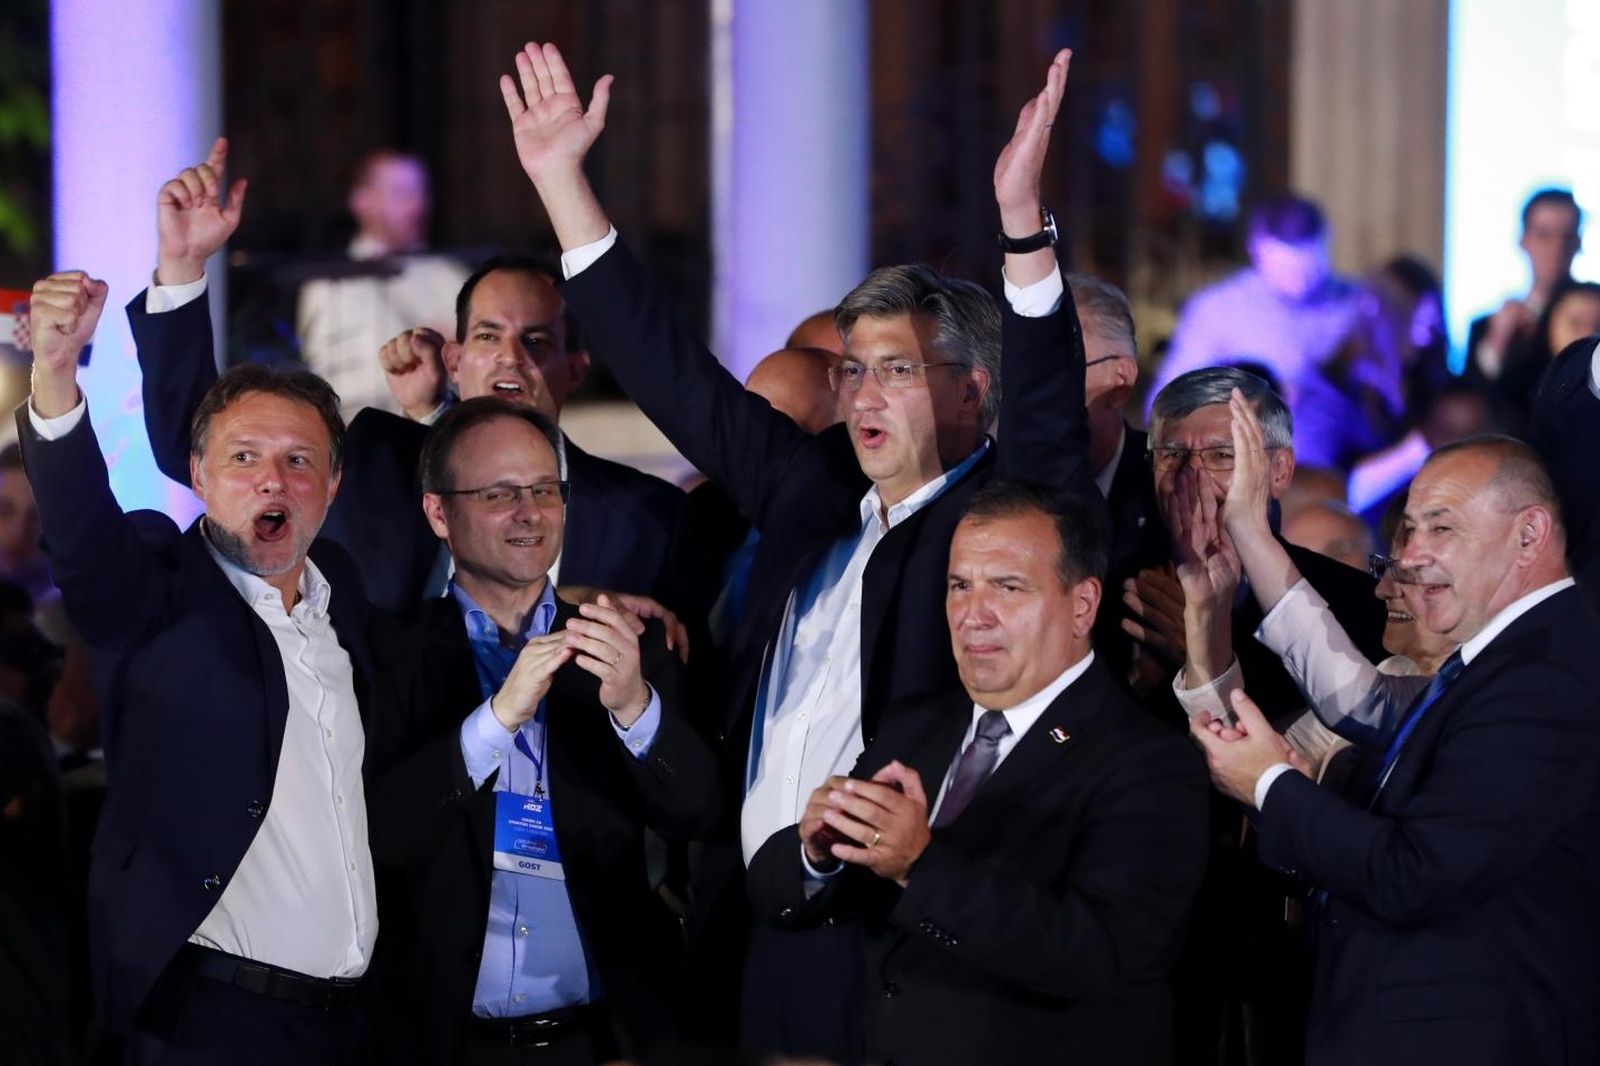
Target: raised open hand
[(552, 129), (195, 215), (1207, 565), (1021, 162), (1244, 511)]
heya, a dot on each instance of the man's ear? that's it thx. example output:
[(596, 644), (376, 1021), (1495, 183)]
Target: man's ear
[(578, 364), (451, 354), (433, 511), (1282, 461), (197, 481), (977, 387), (1085, 606)]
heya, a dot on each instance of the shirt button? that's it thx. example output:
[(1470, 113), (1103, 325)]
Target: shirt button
[(518, 998), (802, 716), (339, 800), (495, 754), (522, 930), (352, 867), (328, 733), (788, 780)]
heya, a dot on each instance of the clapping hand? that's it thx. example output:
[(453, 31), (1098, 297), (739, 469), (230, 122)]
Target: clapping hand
[(1238, 752), (883, 822), (606, 643)]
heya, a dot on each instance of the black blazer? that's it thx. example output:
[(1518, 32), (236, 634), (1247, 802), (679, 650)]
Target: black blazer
[(1565, 428), (1040, 926), (619, 520), (194, 704), (804, 492), (432, 833), (1461, 925)]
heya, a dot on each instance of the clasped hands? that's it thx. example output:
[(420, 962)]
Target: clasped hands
[(881, 824), (604, 641)]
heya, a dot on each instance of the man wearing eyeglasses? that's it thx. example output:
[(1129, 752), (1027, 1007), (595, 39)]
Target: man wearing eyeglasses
[(529, 744), (846, 594), (1238, 1004)]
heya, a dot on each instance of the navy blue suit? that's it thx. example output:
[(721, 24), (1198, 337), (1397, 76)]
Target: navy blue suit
[(194, 705), (619, 520), (1461, 924)]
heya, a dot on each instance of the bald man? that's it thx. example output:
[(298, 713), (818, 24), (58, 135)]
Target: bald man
[(795, 381), (817, 331), (1456, 920), (1329, 528)]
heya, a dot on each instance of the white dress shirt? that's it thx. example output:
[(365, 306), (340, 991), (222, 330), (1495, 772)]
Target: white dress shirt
[(303, 897)]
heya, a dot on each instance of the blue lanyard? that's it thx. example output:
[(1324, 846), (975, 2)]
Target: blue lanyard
[(521, 741)]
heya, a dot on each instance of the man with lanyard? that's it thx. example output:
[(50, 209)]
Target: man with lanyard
[(526, 755)]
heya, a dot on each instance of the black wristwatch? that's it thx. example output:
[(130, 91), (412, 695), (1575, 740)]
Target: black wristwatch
[(1043, 239)]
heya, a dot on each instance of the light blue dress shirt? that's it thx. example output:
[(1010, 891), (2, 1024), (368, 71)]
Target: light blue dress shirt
[(533, 955)]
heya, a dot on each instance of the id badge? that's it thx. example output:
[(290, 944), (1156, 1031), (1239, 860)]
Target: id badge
[(525, 836)]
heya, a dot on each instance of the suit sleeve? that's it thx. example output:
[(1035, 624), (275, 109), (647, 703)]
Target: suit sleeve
[(177, 359), (114, 587), (1515, 764), (1118, 916), (732, 436), (1044, 429), (678, 777)]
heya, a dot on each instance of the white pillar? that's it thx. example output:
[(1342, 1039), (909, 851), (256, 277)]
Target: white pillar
[(135, 97), (791, 108)]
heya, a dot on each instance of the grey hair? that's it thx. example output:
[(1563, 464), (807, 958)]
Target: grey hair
[(1106, 307), (967, 319), (1187, 393)]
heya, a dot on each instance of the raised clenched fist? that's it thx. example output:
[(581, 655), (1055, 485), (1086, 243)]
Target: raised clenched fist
[(414, 366)]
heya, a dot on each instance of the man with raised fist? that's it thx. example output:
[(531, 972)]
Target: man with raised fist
[(232, 911)]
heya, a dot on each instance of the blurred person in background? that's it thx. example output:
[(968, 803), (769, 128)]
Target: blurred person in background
[(1503, 349), (1287, 310), (343, 321)]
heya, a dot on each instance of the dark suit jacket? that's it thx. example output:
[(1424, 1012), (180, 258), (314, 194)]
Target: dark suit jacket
[(1040, 925), (804, 492), (1138, 541), (619, 520), (194, 703), (432, 833), (1565, 428), (1462, 925)]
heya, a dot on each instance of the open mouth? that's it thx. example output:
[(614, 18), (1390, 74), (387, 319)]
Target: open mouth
[(508, 388), (1401, 616), (271, 525), (871, 436), (525, 542)]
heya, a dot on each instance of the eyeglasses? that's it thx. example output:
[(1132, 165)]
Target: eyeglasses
[(848, 376), (1218, 459), (546, 495), (1380, 565)]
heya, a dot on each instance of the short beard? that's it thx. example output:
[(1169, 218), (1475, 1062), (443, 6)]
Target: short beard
[(232, 547)]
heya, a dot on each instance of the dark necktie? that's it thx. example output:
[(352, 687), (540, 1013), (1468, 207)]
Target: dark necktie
[(974, 766), (1448, 672)]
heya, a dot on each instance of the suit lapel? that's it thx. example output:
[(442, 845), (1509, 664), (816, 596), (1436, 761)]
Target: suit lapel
[(274, 708), (584, 538), (1056, 736), (451, 681)]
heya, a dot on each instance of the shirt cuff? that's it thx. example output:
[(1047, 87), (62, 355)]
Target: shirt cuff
[(580, 259), (434, 415), (1264, 782), (639, 736), (1274, 619), (1041, 298), (816, 878), (159, 299), (59, 426), (1211, 698), (484, 744)]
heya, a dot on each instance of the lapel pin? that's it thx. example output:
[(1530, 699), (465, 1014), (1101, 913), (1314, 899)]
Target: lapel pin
[(1059, 735)]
